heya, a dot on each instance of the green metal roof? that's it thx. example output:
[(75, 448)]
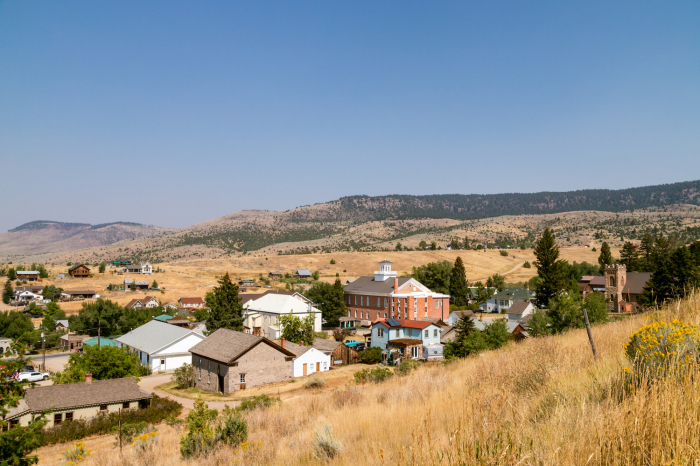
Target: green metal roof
[(515, 293), (164, 317), (103, 342)]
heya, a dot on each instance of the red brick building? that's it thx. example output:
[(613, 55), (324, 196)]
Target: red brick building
[(387, 296)]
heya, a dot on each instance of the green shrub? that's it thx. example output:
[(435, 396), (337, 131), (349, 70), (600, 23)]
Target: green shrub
[(205, 433), (376, 375), (257, 402), (504, 253), (371, 355), (129, 431), (314, 382), (527, 264), (326, 447), (662, 348), (332, 261), (405, 368), (183, 376), (232, 429), (159, 410)]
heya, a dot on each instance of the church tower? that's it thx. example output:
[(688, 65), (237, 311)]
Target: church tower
[(615, 278)]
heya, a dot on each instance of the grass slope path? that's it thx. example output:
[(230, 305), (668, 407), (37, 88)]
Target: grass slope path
[(545, 401)]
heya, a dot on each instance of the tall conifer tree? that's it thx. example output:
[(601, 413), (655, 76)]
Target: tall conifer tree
[(605, 257), (549, 268), (629, 256), (459, 288), (226, 308)]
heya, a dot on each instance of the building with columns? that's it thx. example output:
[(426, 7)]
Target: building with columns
[(385, 295)]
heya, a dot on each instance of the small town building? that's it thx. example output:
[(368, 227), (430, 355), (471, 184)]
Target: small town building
[(72, 294), (384, 331), (455, 316), (274, 275), (4, 345), (103, 341), (62, 325), (83, 400), (501, 301), (185, 323), (79, 271), (164, 317), (623, 288), (308, 360), (519, 309), (262, 314), (590, 284), (72, 341), (146, 301), (228, 361), (27, 275), (191, 302), (247, 282), (385, 295), (338, 352), (144, 268), (161, 346), (303, 274)]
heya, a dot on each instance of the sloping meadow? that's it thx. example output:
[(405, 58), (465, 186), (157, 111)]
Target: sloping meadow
[(545, 401)]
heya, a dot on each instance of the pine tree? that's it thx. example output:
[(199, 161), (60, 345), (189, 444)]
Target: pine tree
[(605, 257), (11, 274), (646, 247), (226, 308), (459, 288), (462, 345), (629, 256), (7, 292), (549, 268)]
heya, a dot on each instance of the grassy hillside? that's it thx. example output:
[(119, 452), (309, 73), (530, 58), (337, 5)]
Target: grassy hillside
[(542, 402)]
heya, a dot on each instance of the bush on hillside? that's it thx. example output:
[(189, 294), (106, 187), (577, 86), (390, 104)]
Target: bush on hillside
[(257, 402), (376, 375), (370, 356), (183, 376), (662, 348), (314, 382)]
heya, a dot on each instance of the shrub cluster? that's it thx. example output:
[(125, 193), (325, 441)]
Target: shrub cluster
[(661, 348), (257, 402), (314, 382), (371, 355), (376, 375), (160, 409), (207, 429)]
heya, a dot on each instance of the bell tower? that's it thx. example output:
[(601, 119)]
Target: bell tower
[(615, 278)]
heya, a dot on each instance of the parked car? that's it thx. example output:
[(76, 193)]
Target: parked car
[(32, 376)]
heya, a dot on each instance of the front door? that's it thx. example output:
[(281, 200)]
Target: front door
[(221, 383), (304, 369), (318, 367)]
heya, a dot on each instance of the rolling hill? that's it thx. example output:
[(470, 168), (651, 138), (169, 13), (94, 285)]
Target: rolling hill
[(365, 223)]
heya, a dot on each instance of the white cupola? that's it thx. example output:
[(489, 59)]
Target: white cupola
[(384, 272)]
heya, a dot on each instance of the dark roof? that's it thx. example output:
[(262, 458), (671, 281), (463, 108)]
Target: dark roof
[(517, 307), (435, 321), (515, 293), (369, 285), (405, 342), (295, 348), (325, 345), (226, 345), (78, 265), (405, 323), (461, 314), (78, 292), (635, 282), (73, 395), (195, 300)]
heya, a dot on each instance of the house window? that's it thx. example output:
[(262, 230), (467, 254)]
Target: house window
[(379, 302), (435, 333), (57, 418), (380, 332), (355, 313), (362, 300), (69, 416), (426, 333), (349, 313), (125, 405), (103, 407), (355, 300), (242, 378), (385, 315), (385, 302)]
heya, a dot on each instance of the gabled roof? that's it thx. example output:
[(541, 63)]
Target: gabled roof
[(405, 323), (192, 300), (78, 265), (635, 282), (369, 285), (280, 304), (326, 345), (63, 322), (226, 345), (155, 335), (27, 272), (73, 395), (303, 272), (295, 348), (78, 292), (164, 317), (143, 300), (518, 307), (460, 314)]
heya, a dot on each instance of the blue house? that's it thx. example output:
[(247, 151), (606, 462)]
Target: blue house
[(386, 330)]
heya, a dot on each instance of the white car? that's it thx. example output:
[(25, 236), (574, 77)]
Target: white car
[(32, 376)]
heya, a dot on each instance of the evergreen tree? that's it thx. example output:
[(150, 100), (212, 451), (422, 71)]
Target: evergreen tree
[(646, 248), (464, 342), (459, 288), (605, 257), (550, 268), (496, 281), (330, 299), (11, 274), (7, 292), (226, 308), (103, 266), (629, 256), (695, 252), (684, 272)]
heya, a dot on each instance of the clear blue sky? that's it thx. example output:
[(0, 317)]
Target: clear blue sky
[(172, 113)]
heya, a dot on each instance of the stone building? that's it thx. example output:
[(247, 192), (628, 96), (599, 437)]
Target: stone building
[(228, 361), (623, 288)]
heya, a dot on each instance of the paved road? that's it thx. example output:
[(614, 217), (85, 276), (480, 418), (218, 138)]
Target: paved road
[(149, 384)]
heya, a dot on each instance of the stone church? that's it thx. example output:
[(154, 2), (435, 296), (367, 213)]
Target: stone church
[(623, 288)]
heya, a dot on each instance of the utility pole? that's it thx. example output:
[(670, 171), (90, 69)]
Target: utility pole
[(120, 430), (590, 335), (43, 349)]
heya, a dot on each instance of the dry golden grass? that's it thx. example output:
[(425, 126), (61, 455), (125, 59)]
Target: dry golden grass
[(545, 401)]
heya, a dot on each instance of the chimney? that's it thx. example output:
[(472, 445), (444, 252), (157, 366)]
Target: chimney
[(396, 284), (88, 377), (282, 342)]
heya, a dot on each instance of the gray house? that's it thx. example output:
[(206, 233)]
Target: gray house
[(228, 361)]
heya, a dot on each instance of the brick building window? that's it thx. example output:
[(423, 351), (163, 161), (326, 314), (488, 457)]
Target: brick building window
[(103, 407), (125, 405), (355, 300), (69, 416), (57, 418), (242, 378)]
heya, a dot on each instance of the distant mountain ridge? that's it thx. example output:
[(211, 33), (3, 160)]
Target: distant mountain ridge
[(350, 223)]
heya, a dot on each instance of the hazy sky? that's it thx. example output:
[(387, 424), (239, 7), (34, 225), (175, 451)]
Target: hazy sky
[(172, 113)]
